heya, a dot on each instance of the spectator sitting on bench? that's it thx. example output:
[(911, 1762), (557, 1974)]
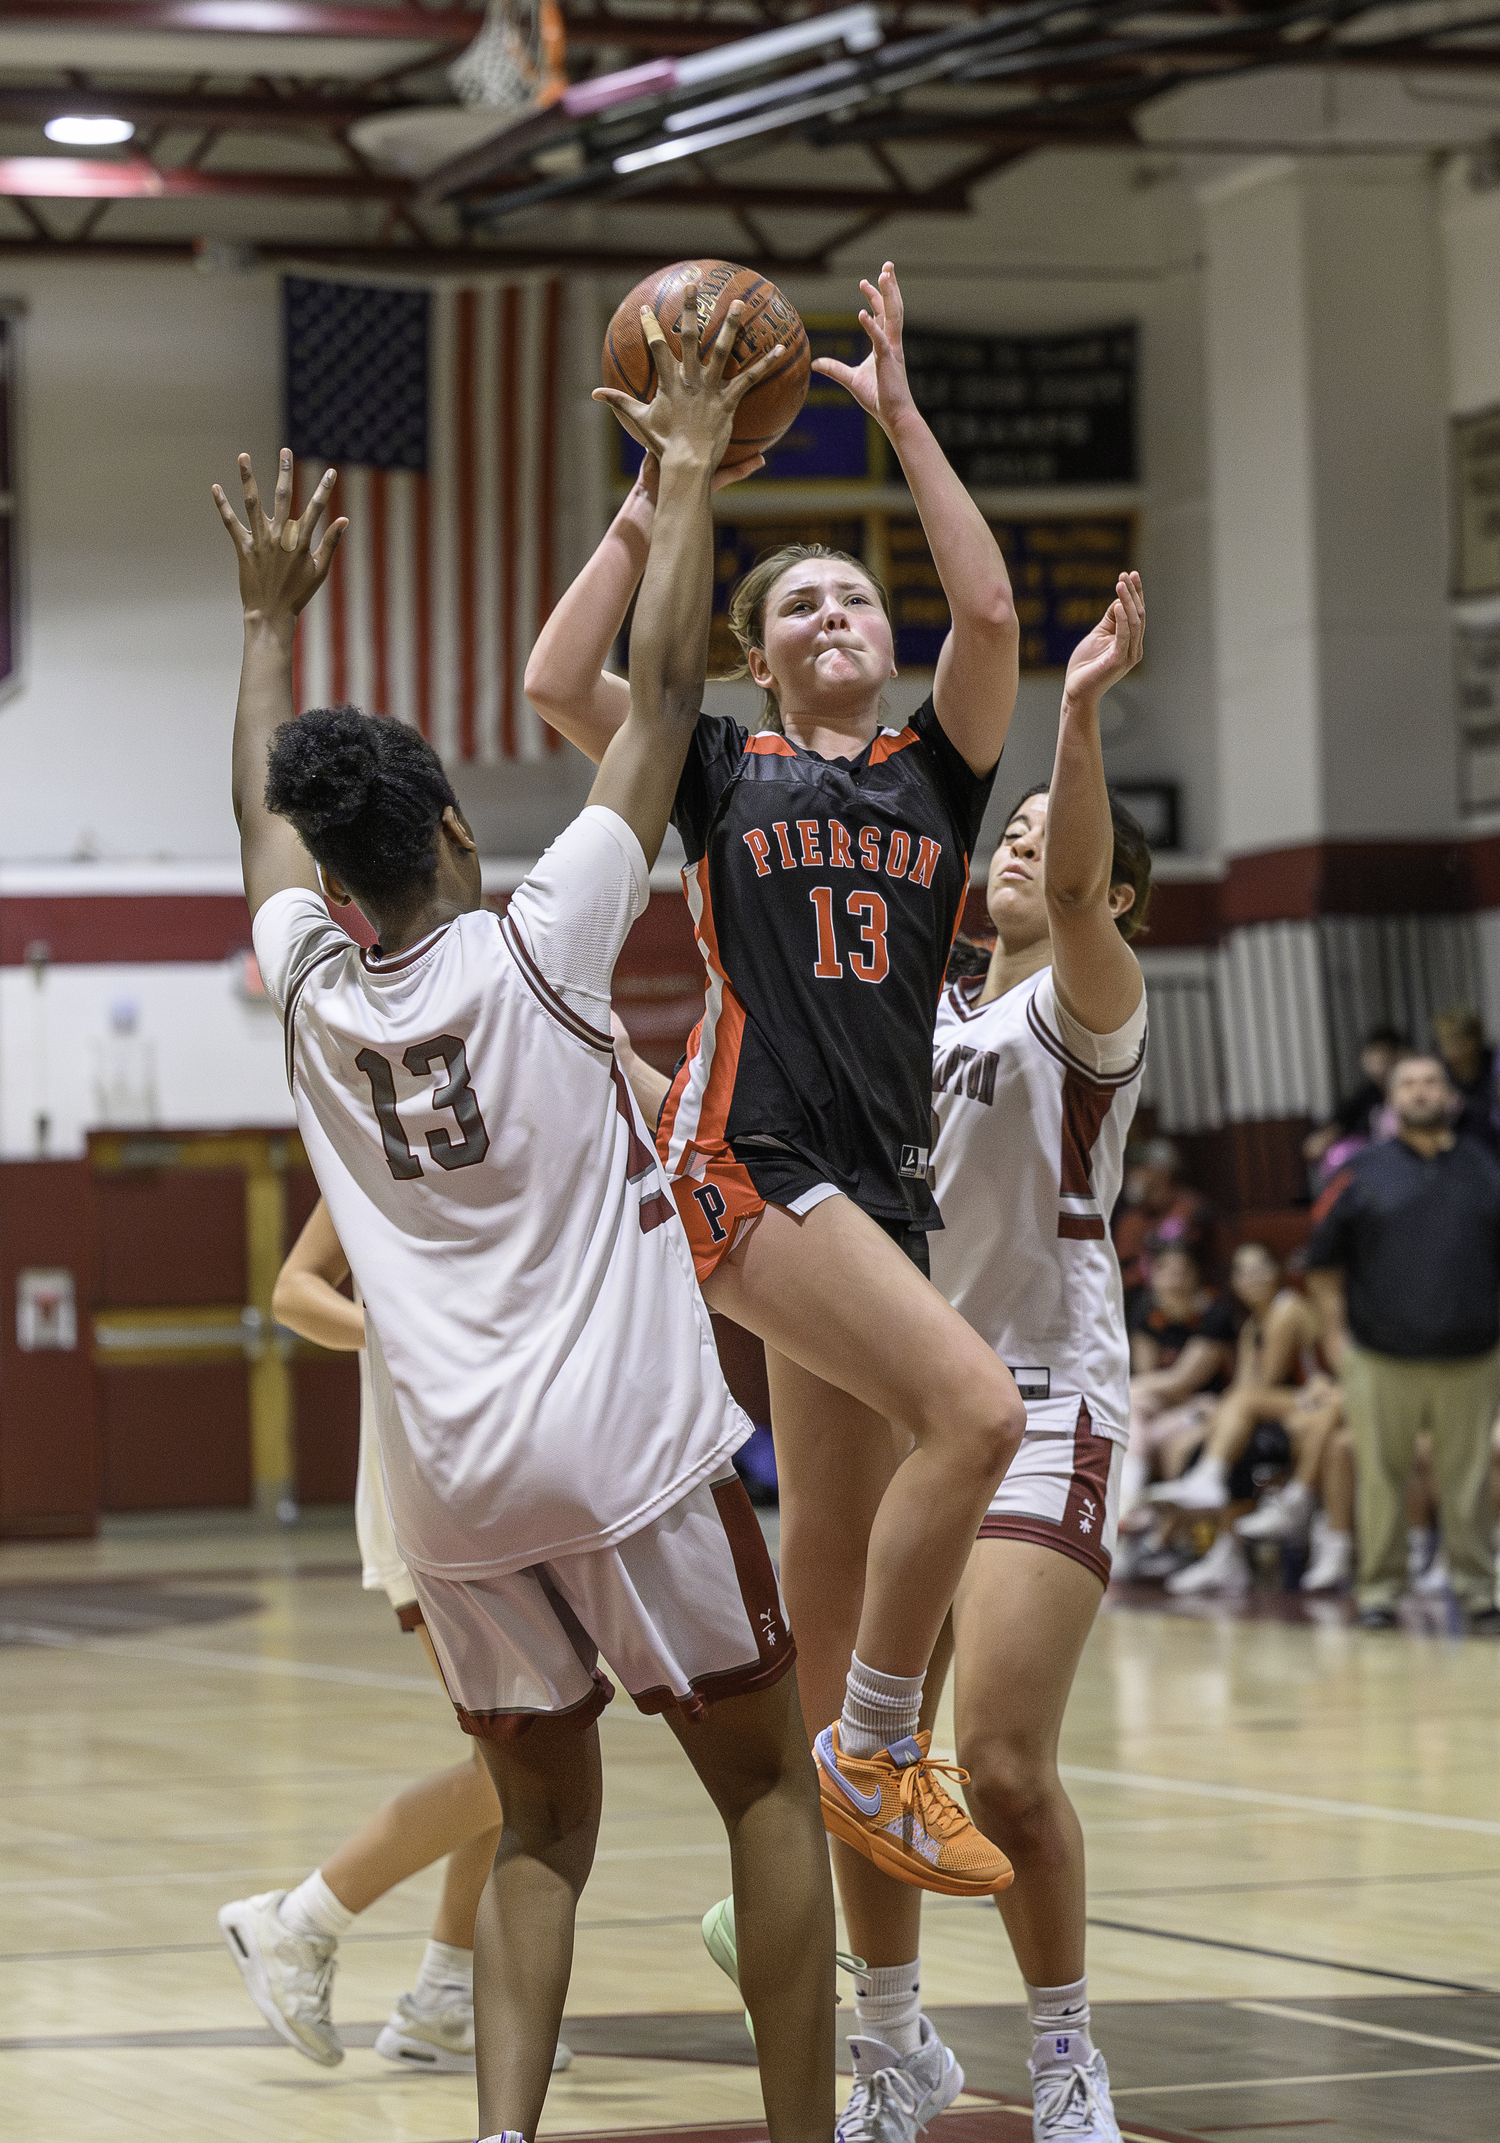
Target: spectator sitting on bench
[(1275, 1355), (1182, 1349)]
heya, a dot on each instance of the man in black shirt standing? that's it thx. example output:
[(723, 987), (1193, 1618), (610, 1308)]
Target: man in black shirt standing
[(1404, 1265)]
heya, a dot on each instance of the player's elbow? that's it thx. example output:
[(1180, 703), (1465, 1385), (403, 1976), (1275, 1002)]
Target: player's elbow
[(993, 613), (542, 685)]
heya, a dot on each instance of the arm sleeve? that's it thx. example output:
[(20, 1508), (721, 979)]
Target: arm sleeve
[(716, 750), (967, 793), (576, 908), (1107, 1054), (292, 931)]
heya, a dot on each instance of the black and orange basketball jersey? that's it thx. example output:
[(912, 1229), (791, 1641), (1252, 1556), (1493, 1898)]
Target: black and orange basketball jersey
[(825, 894)]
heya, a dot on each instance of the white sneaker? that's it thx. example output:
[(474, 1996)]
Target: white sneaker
[(1073, 2102), (1332, 1562), (1284, 1514), (289, 1976), (1205, 1487), (1434, 1578), (1223, 1569), (1421, 1547), (896, 2095), (438, 2039)]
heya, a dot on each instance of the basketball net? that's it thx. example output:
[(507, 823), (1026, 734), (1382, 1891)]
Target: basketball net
[(515, 64)]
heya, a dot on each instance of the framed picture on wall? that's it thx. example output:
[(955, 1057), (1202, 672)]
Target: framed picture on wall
[(1476, 691), (1154, 805), (1474, 473)]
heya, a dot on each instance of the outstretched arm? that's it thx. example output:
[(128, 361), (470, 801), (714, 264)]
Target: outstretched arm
[(306, 1296), (1097, 976), (687, 426), (978, 670), (280, 573), (566, 680)]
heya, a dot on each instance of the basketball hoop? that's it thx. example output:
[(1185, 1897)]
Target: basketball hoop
[(515, 64)]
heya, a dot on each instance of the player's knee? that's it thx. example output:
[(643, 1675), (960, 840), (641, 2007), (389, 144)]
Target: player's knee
[(986, 1421), (1010, 1786)]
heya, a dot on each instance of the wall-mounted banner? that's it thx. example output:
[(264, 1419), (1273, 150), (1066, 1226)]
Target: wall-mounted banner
[(1474, 471), (832, 441), (1024, 410), (1062, 569)]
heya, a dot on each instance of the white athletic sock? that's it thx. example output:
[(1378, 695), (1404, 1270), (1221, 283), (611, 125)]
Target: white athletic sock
[(446, 1978), (888, 2004), (1060, 2025), (878, 1708), (312, 1909)]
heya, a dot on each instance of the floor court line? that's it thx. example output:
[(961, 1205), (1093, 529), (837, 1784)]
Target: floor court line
[(52, 1884), (1312, 1882), (1374, 2031), (1263, 1797), (1255, 1949), (303, 1670), (1271, 2083)]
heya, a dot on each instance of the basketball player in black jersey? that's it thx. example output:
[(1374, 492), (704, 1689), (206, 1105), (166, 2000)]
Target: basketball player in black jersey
[(828, 861)]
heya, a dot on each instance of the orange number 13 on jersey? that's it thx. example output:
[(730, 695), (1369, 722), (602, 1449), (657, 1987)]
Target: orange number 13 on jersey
[(869, 910)]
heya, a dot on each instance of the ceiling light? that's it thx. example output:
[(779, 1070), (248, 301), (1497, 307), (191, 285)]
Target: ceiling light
[(88, 133)]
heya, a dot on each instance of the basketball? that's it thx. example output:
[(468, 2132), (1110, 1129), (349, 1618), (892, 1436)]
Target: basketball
[(768, 318)]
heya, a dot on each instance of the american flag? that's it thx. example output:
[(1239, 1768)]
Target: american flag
[(439, 410)]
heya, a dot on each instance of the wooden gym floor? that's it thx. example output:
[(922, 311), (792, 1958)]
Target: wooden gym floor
[(1294, 1861)]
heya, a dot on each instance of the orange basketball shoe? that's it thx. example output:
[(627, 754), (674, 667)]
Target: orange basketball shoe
[(893, 1808)]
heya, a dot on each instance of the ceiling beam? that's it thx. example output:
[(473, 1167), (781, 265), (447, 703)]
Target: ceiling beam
[(588, 29), (76, 178), (28, 104), (58, 178), (399, 259), (250, 18)]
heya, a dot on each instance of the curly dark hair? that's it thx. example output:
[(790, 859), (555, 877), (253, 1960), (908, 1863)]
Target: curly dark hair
[(365, 793)]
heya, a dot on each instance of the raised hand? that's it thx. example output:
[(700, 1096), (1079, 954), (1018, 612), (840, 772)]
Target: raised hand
[(694, 404), (879, 385), (280, 572), (1114, 647)]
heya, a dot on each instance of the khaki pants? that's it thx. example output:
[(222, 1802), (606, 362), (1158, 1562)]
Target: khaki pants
[(1391, 1402)]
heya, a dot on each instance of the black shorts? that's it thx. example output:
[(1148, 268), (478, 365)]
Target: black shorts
[(781, 1177)]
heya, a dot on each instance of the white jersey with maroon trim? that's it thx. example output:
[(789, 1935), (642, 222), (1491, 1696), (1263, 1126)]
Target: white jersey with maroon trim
[(1028, 1159), (543, 1369)]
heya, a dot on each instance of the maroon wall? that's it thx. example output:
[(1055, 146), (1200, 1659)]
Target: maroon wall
[(48, 1438)]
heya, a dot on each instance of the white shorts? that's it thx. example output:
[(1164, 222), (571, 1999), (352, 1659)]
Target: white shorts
[(1062, 1489), (686, 1611)]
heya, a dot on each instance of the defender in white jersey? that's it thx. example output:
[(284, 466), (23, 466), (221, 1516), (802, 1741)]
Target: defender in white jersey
[(555, 1432), (1037, 1064)]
